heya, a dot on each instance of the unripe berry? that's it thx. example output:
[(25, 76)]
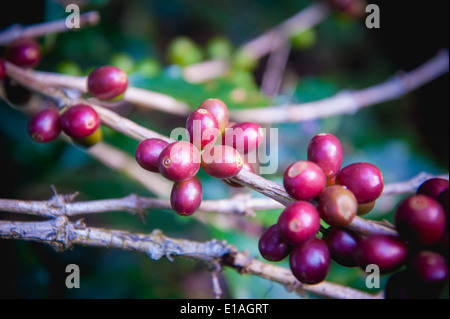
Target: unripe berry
[(387, 252), (220, 111), (304, 180), (186, 196), (271, 246), (221, 161), (44, 126), (337, 206), (420, 219), (23, 52), (325, 150), (363, 179), (147, 153), (298, 223), (90, 140), (244, 137), (107, 82), (310, 262), (203, 128), (179, 161), (80, 121)]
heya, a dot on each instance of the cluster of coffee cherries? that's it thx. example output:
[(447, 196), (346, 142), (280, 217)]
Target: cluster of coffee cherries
[(180, 161), (326, 191)]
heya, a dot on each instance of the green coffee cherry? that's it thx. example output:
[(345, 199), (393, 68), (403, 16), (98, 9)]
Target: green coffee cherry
[(184, 51)]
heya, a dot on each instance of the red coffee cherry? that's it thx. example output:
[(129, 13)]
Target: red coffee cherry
[(220, 111), (203, 128), (23, 52), (310, 262), (387, 252), (248, 167), (429, 267), (179, 161), (271, 246), (433, 187), (325, 150), (2, 69), (363, 179), (221, 161), (343, 245), (107, 82), (304, 180), (147, 153), (420, 219), (298, 223), (337, 206), (244, 137), (79, 121), (443, 200), (186, 196), (44, 126)]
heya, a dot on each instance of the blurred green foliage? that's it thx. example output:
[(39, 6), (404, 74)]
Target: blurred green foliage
[(152, 41)]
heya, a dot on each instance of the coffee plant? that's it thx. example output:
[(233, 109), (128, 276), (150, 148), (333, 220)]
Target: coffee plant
[(220, 164)]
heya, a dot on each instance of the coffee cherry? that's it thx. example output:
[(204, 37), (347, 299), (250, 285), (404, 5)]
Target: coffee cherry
[(304, 180), (90, 140), (343, 245), (248, 167), (364, 209), (433, 187), (310, 262), (107, 82), (326, 151), (203, 128), (147, 153), (443, 200), (271, 246), (16, 93), (298, 223), (337, 206), (221, 161), (23, 52), (400, 285), (220, 111), (420, 219), (79, 121), (183, 51), (429, 267), (244, 137), (2, 69), (387, 252), (44, 126), (179, 161), (186, 196), (363, 179)]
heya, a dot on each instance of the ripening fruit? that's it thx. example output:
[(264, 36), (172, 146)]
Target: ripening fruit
[(179, 161), (244, 137), (79, 121), (298, 223), (420, 219), (44, 126), (433, 187), (337, 206), (24, 52), (343, 245), (364, 209), (220, 111), (107, 82), (325, 150), (304, 180), (203, 128), (363, 179), (221, 161), (387, 252), (184, 51), (147, 153), (310, 262), (2, 69), (248, 167), (90, 140), (271, 246), (186, 196)]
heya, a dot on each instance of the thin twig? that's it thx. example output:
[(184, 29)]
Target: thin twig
[(411, 185), (349, 102), (16, 31)]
